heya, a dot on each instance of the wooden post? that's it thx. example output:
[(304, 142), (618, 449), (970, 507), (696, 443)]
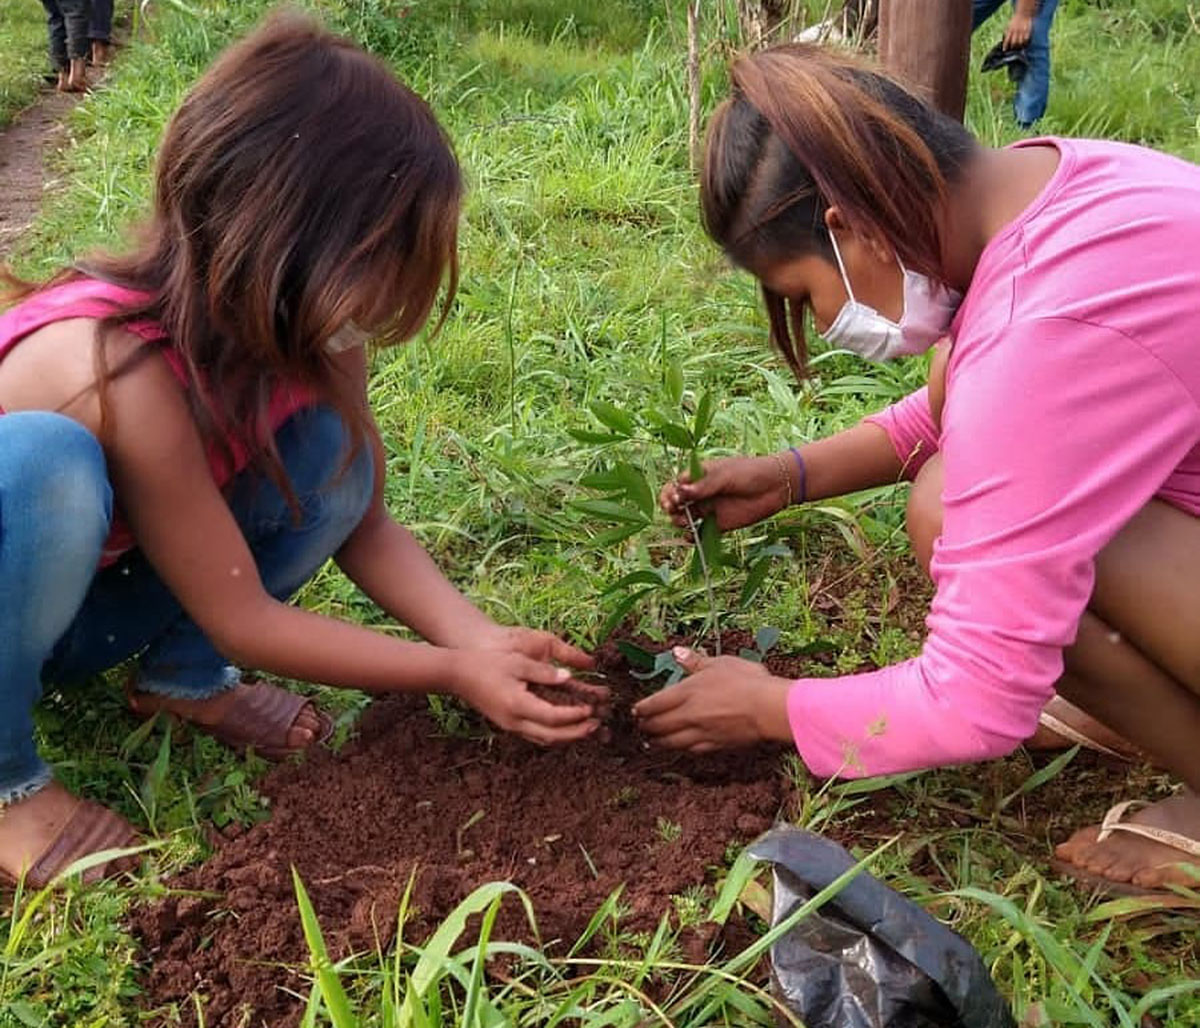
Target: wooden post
[(693, 81), (926, 44)]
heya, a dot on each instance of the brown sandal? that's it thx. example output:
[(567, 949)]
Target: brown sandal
[(91, 828), (259, 718)]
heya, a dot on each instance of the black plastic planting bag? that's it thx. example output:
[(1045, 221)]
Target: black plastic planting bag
[(868, 958)]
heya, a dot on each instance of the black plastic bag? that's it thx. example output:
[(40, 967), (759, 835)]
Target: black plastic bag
[(869, 958), (1015, 60)]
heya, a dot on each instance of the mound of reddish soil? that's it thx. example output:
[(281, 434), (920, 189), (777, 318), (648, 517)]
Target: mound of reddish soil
[(566, 825)]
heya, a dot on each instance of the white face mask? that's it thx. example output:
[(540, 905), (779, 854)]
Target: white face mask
[(347, 338), (928, 310)]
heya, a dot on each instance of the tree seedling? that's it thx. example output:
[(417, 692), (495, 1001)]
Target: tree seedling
[(626, 505), (764, 642)]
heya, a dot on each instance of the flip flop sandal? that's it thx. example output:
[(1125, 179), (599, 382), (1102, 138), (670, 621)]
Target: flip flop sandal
[(91, 828), (259, 718), (1113, 823), (1075, 736)]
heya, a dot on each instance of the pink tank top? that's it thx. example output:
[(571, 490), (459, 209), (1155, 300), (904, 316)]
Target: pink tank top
[(90, 298)]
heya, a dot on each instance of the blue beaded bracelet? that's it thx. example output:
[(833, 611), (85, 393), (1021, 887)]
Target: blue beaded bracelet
[(802, 476)]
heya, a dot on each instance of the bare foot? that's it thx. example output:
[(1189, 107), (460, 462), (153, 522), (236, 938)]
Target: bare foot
[(77, 77), (100, 53), (206, 713), (30, 827), (1130, 859), (64, 81), (1098, 735)]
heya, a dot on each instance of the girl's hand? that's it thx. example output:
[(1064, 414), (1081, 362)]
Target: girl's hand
[(724, 702), (539, 645), (738, 490), (498, 685)]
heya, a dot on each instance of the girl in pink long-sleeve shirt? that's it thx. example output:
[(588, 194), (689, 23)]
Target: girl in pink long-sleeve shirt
[(1056, 454)]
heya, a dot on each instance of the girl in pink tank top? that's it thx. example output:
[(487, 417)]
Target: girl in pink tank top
[(185, 437)]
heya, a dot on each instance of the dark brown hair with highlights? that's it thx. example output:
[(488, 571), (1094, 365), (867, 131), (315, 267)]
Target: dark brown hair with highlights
[(299, 187), (808, 128)]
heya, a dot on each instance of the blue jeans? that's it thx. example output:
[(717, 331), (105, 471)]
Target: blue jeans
[(1034, 91), (61, 620)]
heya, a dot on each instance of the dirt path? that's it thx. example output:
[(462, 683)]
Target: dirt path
[(24, 146)]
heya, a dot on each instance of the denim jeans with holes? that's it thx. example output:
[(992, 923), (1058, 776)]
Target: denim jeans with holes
[(1034, 91), (61, 620)]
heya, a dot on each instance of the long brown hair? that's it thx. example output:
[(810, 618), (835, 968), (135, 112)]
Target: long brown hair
[(299, 186), (809, 128)]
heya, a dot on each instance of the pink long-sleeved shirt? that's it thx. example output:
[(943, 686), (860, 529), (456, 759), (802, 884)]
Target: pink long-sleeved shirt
[(1072, 399)]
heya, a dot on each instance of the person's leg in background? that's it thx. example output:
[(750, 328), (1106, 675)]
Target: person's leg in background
[(56, 29), (100, 31), (982, 10), (926, 44), (1034, 91), (72, 76)]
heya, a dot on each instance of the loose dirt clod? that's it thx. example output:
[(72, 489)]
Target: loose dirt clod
[(567, 825)]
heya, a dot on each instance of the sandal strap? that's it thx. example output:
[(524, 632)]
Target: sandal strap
[(90, 829), (260, 715), (1113, 823), (1059, 727)]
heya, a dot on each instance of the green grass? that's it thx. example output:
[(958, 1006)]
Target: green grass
[(587, 276), (23, 42)]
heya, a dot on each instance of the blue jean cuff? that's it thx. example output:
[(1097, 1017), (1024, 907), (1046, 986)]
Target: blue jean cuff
[(228, 678), (10, 794)]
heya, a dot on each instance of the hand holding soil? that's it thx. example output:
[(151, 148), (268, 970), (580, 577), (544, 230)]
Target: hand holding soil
[(740, 491), (501, 687), (724, 702)]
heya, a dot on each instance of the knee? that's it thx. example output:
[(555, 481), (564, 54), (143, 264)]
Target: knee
[(924, 515), (54, 482), (330, 470)]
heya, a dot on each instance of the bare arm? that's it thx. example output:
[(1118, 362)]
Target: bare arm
[(383, 559), (184, 527)]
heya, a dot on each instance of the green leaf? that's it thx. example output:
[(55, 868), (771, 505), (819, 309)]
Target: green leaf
[(1041, 777), (612, 417), (765, 639), (703, 419), (695, 467), (436, 953), (582, 435), (739, 874), (675, 435), (612, 536), (623, 607), (327, 979), (636, 487), (24, 1013), (753, 655), (674, 383), (156, 777), (710, 543), (653, 578), (608, 510), (755, 578), (635, 654), (607, 480)]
